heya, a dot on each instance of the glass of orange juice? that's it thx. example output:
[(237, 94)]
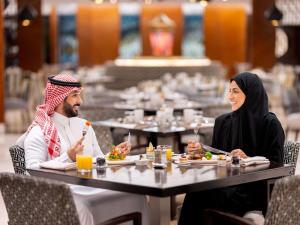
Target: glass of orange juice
[(169, 152), (84, 163)]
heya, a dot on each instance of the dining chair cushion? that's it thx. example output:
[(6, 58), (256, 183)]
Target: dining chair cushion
[(290, 155), (285, 202), (31, 200), (17, 154)]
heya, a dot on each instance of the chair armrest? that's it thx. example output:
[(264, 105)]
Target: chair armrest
[(211, 215), (136, 217)]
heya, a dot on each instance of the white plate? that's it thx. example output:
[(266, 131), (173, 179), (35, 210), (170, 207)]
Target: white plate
[(141, 162), (120, 162), (204, 162), (182, 163)]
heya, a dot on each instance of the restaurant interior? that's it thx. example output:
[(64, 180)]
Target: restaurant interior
[(154, 73)]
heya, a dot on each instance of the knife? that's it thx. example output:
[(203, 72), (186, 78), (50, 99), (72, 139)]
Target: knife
[(214, 150)]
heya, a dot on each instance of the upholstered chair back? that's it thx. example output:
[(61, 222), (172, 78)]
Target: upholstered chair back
[(18, 159), (285, 202), (31, 200)]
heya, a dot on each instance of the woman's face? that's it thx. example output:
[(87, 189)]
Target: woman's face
[(235, 96)]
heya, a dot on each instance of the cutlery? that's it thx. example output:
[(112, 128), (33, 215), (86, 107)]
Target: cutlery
[(214, 150)]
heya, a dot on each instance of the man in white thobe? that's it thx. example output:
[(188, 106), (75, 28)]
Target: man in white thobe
[(56, 134)]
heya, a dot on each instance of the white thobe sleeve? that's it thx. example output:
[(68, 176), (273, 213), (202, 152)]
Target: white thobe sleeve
[(36, 150)]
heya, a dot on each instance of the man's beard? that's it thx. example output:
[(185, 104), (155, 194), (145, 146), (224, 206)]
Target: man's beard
[(69, 110)]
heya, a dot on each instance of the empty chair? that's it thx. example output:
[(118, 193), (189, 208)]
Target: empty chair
[(291, 105), (282, 209), (98, 113), (31, 200)]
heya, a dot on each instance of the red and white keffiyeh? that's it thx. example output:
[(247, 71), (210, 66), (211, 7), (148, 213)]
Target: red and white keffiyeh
[(54, 95)]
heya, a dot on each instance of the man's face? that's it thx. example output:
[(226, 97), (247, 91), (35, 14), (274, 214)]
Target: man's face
[(71, 104)]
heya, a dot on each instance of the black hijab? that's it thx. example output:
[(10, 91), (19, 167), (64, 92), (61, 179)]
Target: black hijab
[(245, 128)]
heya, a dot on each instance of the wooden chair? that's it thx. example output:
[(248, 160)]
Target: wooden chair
[(32, 200)]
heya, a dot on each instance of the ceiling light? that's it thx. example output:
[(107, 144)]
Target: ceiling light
[(98, 1)]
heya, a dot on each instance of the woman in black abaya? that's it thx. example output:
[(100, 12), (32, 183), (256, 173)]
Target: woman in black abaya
[(249, 130)]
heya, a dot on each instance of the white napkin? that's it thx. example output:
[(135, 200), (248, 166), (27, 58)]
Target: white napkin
[(56, 165), (256, 160)]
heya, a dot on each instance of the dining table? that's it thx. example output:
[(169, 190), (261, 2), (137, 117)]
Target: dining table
[(161, 184), (158, 134)]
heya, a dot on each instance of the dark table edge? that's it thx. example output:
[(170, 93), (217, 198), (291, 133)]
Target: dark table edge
[(165, 192)]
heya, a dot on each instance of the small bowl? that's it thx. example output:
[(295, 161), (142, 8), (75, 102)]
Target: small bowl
[(142, 162)]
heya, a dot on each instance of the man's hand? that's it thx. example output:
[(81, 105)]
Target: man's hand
[(238, 152), (193, 147), (125, 147), (77, 148)]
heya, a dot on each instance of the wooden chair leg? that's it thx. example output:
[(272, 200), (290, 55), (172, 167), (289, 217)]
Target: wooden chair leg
[(136, 217)]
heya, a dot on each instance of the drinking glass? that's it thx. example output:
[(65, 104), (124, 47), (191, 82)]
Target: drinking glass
[(198, 122), (84, 163), (169, 152)]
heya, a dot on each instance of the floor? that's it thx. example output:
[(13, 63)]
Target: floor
[(6, 165)]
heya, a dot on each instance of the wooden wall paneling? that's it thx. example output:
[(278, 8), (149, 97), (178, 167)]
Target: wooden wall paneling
[(2, 86), (53, 32), (263, 36), (148, 12), (98, 32), (30, 39), (225, 34)]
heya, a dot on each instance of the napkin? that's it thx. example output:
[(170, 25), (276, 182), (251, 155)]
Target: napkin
[(56, 165), (256, 160)]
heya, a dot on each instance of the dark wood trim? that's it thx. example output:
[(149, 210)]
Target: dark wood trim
[(53, 31), (212, 216), (2, 86), (30, 39), (262, 48), (136, 217)]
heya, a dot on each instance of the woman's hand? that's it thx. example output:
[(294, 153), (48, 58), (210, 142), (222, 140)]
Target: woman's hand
[(77, 148), (125, 147), (193, 147), (238, 152)]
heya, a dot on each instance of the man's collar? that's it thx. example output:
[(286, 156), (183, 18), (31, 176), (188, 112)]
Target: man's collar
[(63, 120)]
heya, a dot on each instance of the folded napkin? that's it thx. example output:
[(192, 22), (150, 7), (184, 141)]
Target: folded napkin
[(254, 168), (56, 165), (256, 160)]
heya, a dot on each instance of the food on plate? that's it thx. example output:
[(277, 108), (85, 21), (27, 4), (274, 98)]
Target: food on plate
[(150, 148), (196, 155), (183, 158), (222, 157), (208, 155), (150, 151), (116, 154)]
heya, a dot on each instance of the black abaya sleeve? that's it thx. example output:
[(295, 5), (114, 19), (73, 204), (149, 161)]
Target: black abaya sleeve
[(273, 141)]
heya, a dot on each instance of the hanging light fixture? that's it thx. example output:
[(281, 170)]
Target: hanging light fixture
[(274, 15), (27, 14)]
